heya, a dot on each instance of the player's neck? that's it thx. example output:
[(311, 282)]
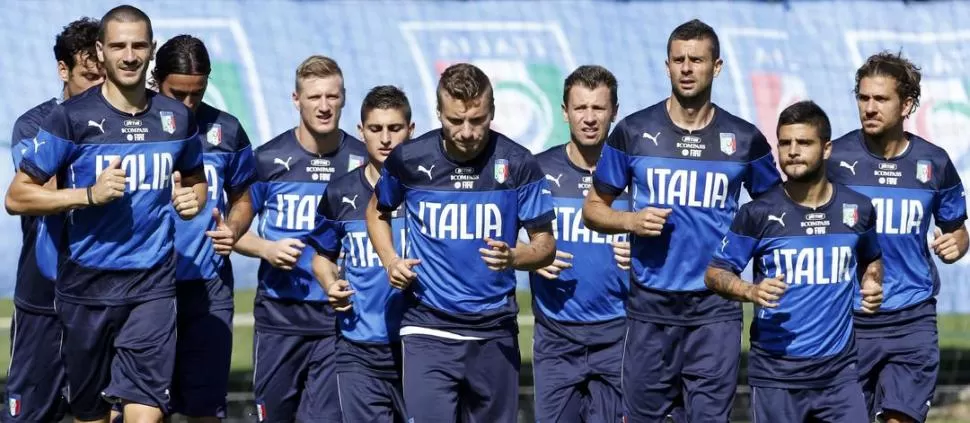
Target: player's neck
[(691, 114), (583, 157), (127, 100), (65, 93), (814, 193), (319, 144), (889, 145), (457, 155), (373, 172)]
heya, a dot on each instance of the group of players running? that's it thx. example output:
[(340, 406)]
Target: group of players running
[(386, 281)]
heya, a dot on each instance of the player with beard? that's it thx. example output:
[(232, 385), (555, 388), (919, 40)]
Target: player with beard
[(36, 376), (909, 180), (115, 150), (809, 240), (466, 192), (686, 159)]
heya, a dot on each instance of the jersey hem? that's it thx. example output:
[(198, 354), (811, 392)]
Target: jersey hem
[(700, 321), (143, 298)]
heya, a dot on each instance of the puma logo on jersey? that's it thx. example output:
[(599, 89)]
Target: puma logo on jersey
[(37, 145), (556, 180), (651, 137), (848, 166), (724, 244), (100, 126), (351, 201), (426, 171), (285, 164), (779, 219)]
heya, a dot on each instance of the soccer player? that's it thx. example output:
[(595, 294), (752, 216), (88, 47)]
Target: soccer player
[(204, 275), (909, 180), (36, 376), (368, 351), (807, 240), (685, 159), (293, 353), (114, 150), (578, 340), (466, 191)]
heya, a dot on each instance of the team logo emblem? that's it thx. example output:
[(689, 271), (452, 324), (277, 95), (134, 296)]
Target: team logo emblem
[(214, 134), (501, 170), (850, 214), (354, 162), (924, 171), (168, 121), (13, 405), (729, 143)]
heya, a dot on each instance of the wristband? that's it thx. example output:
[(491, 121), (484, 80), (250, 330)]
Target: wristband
[(90, 197)]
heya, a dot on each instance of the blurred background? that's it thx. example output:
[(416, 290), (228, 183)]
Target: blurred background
[(774, 52)]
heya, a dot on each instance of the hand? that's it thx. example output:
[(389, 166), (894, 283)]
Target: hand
[(183, 198), (647, 222), (283, 254), (498, 256), (553, 270), (767, 292), (400, 273), (621, 253), (871, 296), (223, 238), (945, 246), (339, 295), (110, 184)]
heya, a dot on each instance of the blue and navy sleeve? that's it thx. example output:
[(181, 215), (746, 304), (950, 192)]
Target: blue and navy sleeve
[(20, 140), (242, 164), (951, 208), (535, 207), (51, 149), (325, 237), (190, 159), (867, 249), (761, 174), (389, 189), (612, 173), (738, 245)]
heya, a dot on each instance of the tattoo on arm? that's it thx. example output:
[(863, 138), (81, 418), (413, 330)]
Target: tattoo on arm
[(726, 284)]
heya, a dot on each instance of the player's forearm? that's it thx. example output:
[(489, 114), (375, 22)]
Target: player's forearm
[(36, 200), (538, 253), (325, 271), (602, 218), (251, 245), (380, 232), (240, 213), (727, 284)]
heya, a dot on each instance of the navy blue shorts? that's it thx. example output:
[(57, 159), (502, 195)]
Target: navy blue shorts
[(203, 356), (483, 374), (899, 373), (118, 354), (575, 382), (834, 404), (36, 380), (685, 371), (369, 398), (294, 378)]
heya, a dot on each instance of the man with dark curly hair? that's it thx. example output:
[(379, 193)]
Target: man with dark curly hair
[(36, 373)]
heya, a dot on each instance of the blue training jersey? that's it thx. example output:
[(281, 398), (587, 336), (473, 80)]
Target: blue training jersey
[(37, 266), (450, 208), (698, 175), (370, 328), (123, 251), (805, 342), (585, 303), (290, 183), (906, 191)]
